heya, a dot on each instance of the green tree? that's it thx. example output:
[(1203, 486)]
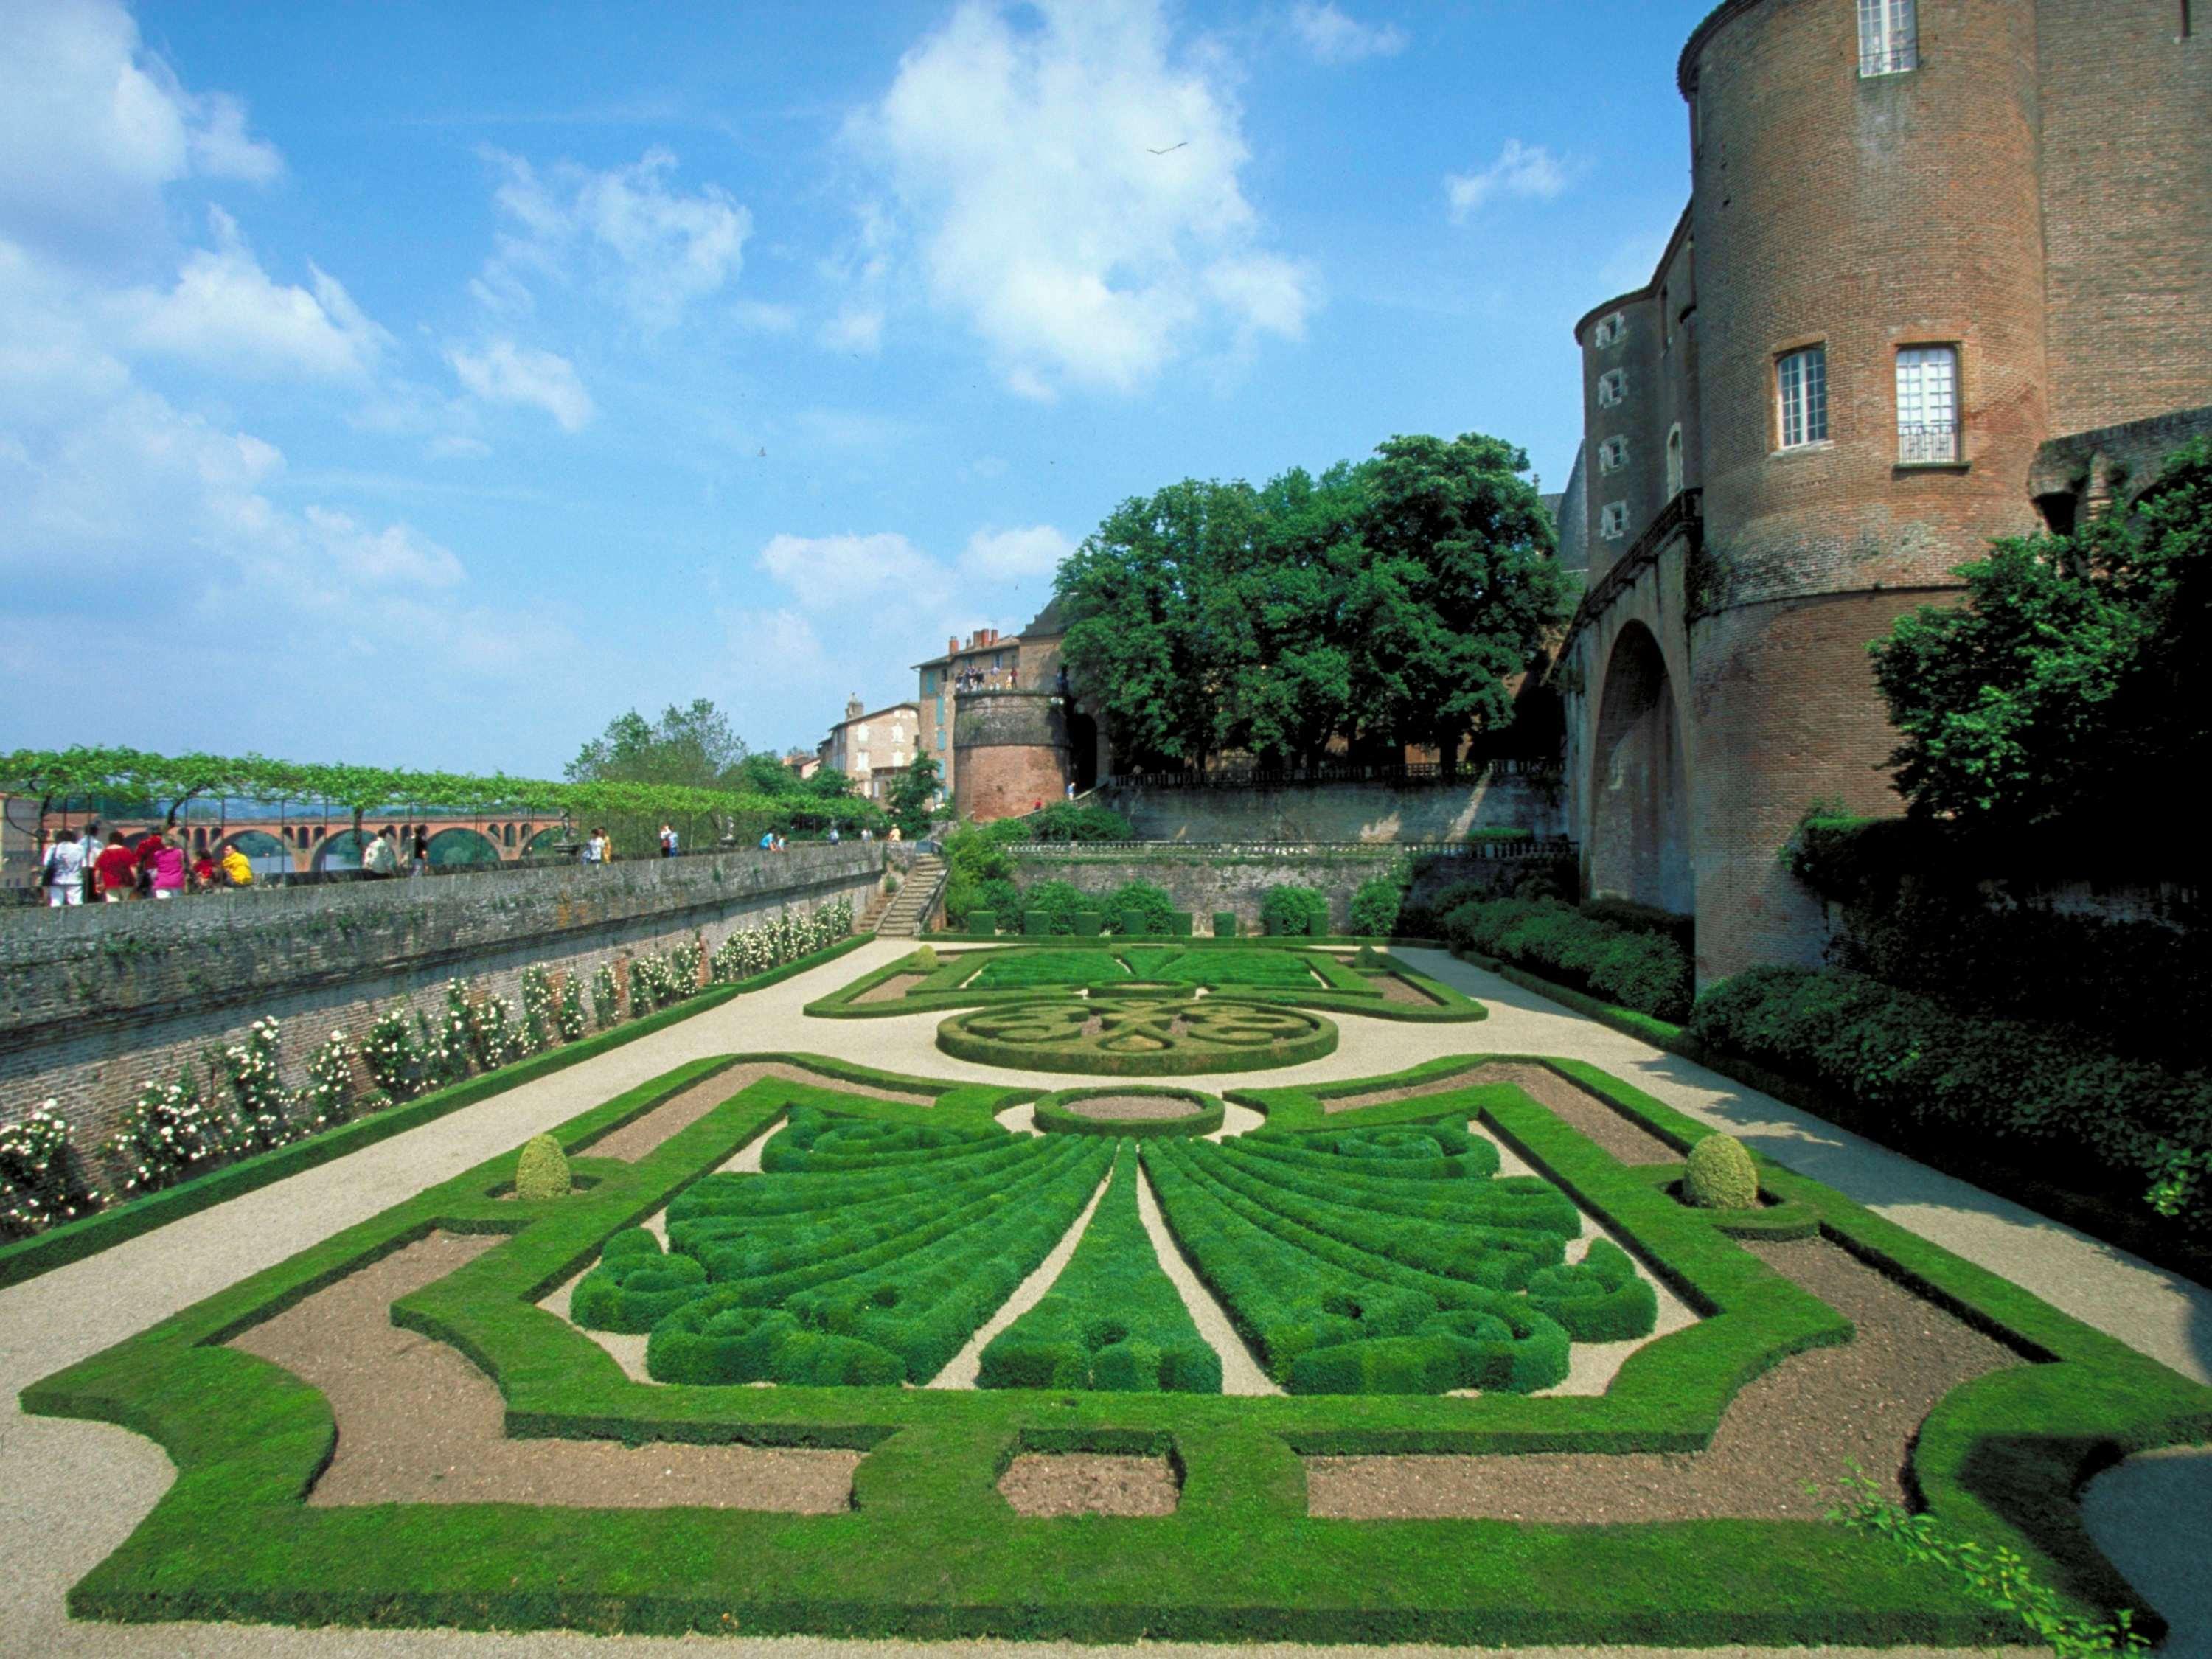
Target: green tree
[(912, 797), (766, 775), (693, 746), (2074, 672)]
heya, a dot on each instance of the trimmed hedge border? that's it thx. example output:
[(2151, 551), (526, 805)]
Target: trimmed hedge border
[(1053, 1118), (2130, 1226), (1091, 1062), (931, 1550), (58, 1246)]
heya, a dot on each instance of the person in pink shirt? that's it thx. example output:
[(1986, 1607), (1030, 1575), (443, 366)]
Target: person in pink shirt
[(168, 864)]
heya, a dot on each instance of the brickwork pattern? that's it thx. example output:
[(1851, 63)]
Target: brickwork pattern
[(1013, 753), (95, 1005)]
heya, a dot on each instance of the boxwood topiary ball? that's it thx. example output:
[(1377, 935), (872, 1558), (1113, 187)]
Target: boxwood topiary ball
[(1720, 1174), (542, 1171)]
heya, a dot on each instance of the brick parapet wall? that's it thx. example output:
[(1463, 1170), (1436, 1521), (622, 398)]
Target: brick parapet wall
[(95, 1005)]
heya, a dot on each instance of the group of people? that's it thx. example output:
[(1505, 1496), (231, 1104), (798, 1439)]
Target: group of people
[(380, 856), (78, 870), (599, 848)]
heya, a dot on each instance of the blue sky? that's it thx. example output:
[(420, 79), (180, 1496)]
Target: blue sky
[(426, 384)]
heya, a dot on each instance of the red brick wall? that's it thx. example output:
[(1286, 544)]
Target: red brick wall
[(2127, 200)]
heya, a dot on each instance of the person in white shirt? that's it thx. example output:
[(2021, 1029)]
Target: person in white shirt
[(65, 871), (380, 860)]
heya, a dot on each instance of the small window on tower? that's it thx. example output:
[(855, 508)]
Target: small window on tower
[(1801, 390), (1889, 37), (1612, 454), (1612, 387), (1612, 522)]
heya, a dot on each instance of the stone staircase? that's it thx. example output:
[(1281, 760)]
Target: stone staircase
[(909, 910)]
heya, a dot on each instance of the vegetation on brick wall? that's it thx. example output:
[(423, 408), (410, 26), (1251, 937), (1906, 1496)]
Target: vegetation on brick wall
[(1288, 909)]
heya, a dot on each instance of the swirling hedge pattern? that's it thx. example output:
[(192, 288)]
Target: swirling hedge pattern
[(1137, 1037), (1392, 1260)]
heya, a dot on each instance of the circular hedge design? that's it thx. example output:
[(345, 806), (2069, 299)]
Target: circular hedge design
[(1139, 1037), (1136, 1113)]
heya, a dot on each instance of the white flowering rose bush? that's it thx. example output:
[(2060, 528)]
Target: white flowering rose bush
[(41, 1185)]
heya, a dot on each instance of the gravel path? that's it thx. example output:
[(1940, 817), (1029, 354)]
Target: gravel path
[(964, 1367), (1239, 1370), (70, 1493)]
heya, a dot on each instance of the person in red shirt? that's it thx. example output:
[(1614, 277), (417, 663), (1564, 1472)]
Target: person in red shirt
[(204, 876), (119, 869)]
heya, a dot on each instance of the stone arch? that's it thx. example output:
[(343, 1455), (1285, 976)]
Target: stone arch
[(459, 845), (1639, 794)]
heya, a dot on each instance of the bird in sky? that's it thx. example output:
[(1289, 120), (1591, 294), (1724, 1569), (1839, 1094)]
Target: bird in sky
[(1170, 149)]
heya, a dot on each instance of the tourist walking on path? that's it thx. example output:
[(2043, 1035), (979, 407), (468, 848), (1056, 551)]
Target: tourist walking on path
[(62, 874), (237, 869), (169, 867), (117, 867), (422, 861), (379, 859)]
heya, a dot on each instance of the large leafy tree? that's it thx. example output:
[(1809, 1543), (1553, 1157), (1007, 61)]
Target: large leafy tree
[(692, 745), (1385, 603), (913, 795), (2074, 672)]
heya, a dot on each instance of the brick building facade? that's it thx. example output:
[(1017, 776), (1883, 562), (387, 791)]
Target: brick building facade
[(1927, 247)]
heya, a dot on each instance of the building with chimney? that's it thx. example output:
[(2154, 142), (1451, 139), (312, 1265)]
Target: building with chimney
[(872, 746)]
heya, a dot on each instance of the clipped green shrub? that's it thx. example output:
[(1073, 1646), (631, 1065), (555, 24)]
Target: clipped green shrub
[(1634, 969), (1295, 911), (1601, 1298), (1058, 902), (1068, 820), (542, 1170), (1037, 923), (1151, 905), (1089, 924), (1374, 904), (1644, 919), (1224, 923), (925, 960), (1720, 1174), (981, 921), (1368, 958), (1179, 923), (1963, 1088), (634, 1286), (1056, 1114)]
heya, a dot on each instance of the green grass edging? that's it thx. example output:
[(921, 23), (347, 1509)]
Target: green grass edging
[(932, 1550), (41, 1252), (1194, 1062), (1053, 1116)]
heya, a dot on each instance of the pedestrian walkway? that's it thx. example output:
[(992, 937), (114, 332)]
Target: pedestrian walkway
[(70, 1493)]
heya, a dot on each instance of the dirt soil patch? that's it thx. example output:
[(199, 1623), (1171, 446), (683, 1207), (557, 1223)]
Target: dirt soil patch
[(418, 1424), (1117, 1107), (1089, 1483), (893, 989), (646, 1132), (1402, 991), (1580, 1109), (1808, 1417)]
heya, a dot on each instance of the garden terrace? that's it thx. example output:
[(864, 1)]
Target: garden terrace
[(1268, 971), (1376, 1259)]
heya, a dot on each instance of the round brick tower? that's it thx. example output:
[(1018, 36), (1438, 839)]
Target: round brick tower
[(1010, 752), (1862, 216)]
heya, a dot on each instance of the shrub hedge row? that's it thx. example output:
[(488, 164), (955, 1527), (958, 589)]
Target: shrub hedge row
[(1053, 1115), (1632, 966), (1112, 1319), (1895, 1058)]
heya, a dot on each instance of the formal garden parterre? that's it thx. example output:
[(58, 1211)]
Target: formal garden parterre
[(1408, 1265)]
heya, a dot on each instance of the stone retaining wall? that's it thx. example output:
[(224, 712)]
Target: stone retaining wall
[(95, 1002), (1341, 811)]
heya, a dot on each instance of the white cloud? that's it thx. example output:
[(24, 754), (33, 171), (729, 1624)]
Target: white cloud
[(225, 312), (1334, 37), (504, 373), (458, 447), (825, 573), (856, 328), (93, 126), (1007, 555), (656, 248), (1529, 171), (1073, 189)]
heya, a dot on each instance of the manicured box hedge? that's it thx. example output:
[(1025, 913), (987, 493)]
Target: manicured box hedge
[(1089, 924), (1632, 966), (1036, 924), (981, 921), (1224, 923), (1180, 923), (931, 1550), (1051, 1115)]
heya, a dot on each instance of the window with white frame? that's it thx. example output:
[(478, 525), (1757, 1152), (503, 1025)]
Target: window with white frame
[(1612, 522), (1612, 387), (861, 735), (1889, 37), (1609, 331), (1801, 392), (1928, 404), (1612, 454), (1674, 463)]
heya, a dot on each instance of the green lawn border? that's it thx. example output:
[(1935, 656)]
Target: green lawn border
[(1449, 1006), (1171, 1062), (1053, 1116), (931, 1550), (27, 1258)]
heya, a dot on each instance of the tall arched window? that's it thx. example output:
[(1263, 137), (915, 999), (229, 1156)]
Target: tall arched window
[(1674, 463)]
